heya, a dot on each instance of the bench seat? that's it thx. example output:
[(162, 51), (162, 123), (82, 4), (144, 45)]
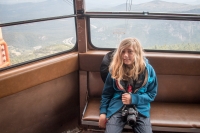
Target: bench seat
[(177, 116)]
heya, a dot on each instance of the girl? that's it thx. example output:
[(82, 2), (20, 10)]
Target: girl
[(128, 90)]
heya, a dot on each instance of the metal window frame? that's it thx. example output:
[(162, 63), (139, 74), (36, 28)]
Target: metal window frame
[(144, 15)]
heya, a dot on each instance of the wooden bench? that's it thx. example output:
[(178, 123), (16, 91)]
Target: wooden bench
[(177, 104)]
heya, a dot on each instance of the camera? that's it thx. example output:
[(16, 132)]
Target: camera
[(129, 115)]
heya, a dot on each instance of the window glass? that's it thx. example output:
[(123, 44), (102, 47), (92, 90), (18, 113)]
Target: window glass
[(153, 34), (175, 6), (30, 41), (19, 10)]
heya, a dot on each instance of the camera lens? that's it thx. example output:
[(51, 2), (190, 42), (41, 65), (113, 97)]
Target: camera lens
[(131, 119)]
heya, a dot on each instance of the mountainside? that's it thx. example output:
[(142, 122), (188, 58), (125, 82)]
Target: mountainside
[(197, 10), (156, 6), (26, 11)]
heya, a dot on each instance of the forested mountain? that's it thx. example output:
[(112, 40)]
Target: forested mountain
[(158, 6), (152, 6)]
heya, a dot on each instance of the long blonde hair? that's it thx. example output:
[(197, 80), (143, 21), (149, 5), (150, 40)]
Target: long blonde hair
[(119, 70)]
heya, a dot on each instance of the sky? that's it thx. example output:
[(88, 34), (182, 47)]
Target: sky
[(18, 1), (110, 2), (143, 1)]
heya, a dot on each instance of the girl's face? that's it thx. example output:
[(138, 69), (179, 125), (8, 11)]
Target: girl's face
[(128, 56)]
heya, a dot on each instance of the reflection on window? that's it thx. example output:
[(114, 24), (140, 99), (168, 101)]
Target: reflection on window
[(30, 41), (175, 6), (19, 10), (153, 34)]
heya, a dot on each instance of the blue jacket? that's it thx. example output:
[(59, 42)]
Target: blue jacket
[(111, 96)]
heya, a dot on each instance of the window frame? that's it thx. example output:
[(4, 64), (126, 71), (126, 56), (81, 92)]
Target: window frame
[(41, 20), (140, 15)]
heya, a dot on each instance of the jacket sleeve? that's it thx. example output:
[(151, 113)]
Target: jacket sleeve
[(107, 94), (150, 94)]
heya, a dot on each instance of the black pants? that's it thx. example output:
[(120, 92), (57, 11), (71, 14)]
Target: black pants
[(116, 125)]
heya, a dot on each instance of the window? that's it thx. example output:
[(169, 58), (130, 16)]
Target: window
[(35, 40), (171, 25), (35, 29), (153, 34)]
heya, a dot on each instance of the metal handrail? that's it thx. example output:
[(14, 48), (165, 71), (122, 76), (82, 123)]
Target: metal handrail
[(36, 20), (144, 15)]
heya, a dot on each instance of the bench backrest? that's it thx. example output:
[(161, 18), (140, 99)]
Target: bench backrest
[(178, 75)]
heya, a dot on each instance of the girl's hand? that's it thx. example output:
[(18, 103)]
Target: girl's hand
[(102, 121), (126, 98)]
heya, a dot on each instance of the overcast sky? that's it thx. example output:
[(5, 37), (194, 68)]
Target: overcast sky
[(18, 1), (109, 2), (139, 1), (143, 1)]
